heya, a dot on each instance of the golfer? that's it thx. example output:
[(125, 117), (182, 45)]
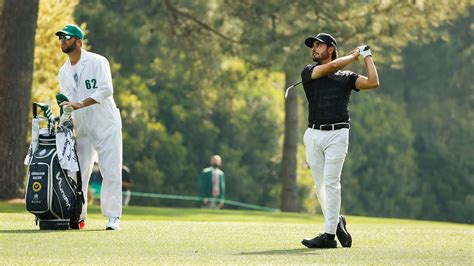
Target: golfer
[(86, 81), (328, 90)]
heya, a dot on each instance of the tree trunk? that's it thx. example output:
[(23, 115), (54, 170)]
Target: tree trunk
[(17, 42), (290, 147)]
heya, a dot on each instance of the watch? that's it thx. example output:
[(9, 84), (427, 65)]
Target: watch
[(81, 103)]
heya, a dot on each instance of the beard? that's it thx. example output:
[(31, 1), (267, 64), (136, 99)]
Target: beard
[(69, 48), (318, 58)]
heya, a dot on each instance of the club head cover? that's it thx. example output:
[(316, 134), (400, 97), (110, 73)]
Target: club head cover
[(59, 99)]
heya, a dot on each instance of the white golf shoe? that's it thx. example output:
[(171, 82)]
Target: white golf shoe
[(113, 224)]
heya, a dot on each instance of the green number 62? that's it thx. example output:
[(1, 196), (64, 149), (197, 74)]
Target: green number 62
[(91, 84)]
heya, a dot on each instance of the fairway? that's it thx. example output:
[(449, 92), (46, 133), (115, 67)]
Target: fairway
[(196, 236)]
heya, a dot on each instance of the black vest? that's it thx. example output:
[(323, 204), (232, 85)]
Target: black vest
[(329, 96)]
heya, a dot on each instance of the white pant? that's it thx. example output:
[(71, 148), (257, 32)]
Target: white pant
[(325, 154), (109, 151)]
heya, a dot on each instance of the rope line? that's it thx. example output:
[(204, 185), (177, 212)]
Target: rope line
[(196, 198)]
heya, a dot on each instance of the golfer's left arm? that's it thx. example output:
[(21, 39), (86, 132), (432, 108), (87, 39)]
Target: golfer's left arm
[(372, 79)]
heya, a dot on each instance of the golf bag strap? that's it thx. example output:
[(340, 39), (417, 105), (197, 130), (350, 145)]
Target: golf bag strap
[(74, 221), (79, 181)]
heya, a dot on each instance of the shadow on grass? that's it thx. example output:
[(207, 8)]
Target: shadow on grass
[(297, 251), (38, 231), (194, 214)]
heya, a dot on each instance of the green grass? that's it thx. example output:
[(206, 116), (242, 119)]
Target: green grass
[(196, 236)]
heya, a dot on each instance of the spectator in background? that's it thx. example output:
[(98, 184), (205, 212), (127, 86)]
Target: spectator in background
[(126, 185), (212, 184)]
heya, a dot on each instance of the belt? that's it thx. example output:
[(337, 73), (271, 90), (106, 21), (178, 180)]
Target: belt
[(329, 126)]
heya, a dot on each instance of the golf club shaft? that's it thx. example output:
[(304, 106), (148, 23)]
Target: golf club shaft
[(289, 88)]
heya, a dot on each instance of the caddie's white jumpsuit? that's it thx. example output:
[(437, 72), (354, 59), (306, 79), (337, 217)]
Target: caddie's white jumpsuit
[(98, 127)]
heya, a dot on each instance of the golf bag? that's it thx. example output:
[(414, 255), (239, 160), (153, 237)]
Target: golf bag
[(52, 194)]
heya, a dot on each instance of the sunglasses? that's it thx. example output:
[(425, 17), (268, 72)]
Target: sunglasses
[(65, 37)]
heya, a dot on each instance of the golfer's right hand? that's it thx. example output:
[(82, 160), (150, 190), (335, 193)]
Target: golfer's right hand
[(364, 50)]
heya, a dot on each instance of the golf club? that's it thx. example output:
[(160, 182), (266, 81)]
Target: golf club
[(289, 88)]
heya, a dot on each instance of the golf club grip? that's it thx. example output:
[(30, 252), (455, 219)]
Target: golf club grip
[(35, 112)]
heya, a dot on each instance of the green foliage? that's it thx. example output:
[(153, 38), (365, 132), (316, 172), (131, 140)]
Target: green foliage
[(379, 175), (435, 84), (149, 149), (180, 106), (52, 16), (272, 32)]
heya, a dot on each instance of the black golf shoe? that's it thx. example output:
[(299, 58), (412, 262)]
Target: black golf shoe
[(342, 235), (320, 241)]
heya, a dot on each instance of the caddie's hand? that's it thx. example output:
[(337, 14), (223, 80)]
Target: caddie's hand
[(74, 106), (364, 50)]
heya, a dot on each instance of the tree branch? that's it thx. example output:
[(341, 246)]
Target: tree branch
[(199, 22)]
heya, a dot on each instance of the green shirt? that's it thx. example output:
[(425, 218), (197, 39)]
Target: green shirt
[(206, 184)]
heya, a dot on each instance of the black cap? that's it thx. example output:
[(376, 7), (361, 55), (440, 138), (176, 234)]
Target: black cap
[(323, 38)]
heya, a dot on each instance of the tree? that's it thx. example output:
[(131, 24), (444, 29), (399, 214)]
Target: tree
[(52, 16), (435, 82), (16, 69), (379, 176), (288, 174)]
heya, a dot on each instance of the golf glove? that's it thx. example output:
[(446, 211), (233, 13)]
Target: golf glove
[(364, 50), (65, 117)]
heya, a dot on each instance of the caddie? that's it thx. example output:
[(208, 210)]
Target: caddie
[(85, 79)]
